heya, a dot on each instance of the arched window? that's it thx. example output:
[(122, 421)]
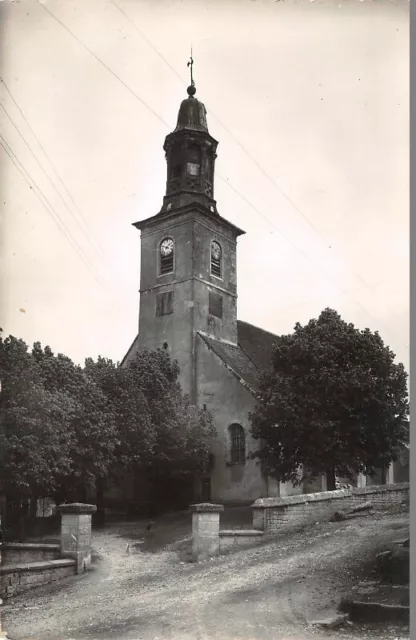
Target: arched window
[(166, 256), (237, 444), (175, 162), (193, 165), (216, 259)]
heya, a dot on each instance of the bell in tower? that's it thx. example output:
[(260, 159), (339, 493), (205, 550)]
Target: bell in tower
[(190, 156)]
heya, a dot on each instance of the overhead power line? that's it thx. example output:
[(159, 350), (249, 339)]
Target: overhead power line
[(242, 147), (88, 236), (143, 103), (81, 215), (50, 210)]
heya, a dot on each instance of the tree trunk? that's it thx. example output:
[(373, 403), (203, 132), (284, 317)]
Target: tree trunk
[(330, 479)]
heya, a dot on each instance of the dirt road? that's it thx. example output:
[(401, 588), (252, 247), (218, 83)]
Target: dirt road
[(268, 592)]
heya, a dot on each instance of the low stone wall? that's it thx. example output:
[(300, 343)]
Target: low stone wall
[(273, 515), (233, 539), (17, 578), (383, 495), (27, 565), (20, 553)]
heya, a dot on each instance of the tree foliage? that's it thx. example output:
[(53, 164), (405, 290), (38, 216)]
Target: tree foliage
[(35, 435), (64, 427), (335, 402), (158, 428)]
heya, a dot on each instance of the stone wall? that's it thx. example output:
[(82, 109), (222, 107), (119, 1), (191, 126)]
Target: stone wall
[(273, 515), (17, 578), (234, 539), (27, 565), (383, 495), (17, 552)]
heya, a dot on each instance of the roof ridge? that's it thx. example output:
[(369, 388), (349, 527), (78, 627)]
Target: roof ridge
[(248, 356), (258, 328), (231, 369)]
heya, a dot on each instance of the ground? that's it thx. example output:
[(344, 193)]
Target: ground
[(147, 591)]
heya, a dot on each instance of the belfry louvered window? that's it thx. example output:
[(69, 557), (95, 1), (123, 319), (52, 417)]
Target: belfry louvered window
[(166, 256), (237, 444), (216, 259), (193, 165)]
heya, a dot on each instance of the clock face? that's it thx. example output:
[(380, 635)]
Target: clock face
[(216, 250), (166, 248)]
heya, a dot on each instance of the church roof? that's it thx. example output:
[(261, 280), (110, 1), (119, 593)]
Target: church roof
[(250, 357), (246, 360), (192, 115), (257, 343)]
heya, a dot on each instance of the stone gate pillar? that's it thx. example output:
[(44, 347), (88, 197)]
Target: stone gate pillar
[(205, 530), (76, 533)]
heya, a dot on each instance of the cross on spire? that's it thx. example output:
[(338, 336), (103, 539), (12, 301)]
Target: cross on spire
[(191, 64)]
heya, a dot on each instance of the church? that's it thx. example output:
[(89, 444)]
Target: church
[(188, 306)]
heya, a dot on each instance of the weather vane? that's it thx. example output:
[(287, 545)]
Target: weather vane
[(191, 64)]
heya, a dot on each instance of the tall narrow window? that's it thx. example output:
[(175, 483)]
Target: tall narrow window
[(164, 304), (175, 162), (193, 165), (216, 259), (237, 444), (215, 304), (166, 256)]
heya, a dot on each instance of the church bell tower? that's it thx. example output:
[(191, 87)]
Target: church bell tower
[(188, 278)]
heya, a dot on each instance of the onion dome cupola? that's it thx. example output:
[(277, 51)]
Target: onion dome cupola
[(190, 157)]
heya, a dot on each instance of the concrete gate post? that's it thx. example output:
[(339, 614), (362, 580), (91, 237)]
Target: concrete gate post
[(205, 530), (76, 533)]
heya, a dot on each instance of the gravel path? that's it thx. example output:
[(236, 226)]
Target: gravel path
[(271, 591)]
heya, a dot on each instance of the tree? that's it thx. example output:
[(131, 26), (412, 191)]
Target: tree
[(92, 422), (35, 434), (335, 402), (65, 428), (161, 435)]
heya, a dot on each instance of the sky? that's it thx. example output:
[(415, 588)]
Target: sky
[(309, 103)]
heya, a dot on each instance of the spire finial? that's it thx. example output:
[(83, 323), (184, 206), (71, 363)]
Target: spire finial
[(191, 89)]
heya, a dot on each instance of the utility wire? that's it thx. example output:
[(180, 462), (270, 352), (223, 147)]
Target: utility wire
[(118, 310), (126, 86), (132, 92), (50, 210), (343, 291), (82, 217), (242, 147), (43, 170)]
